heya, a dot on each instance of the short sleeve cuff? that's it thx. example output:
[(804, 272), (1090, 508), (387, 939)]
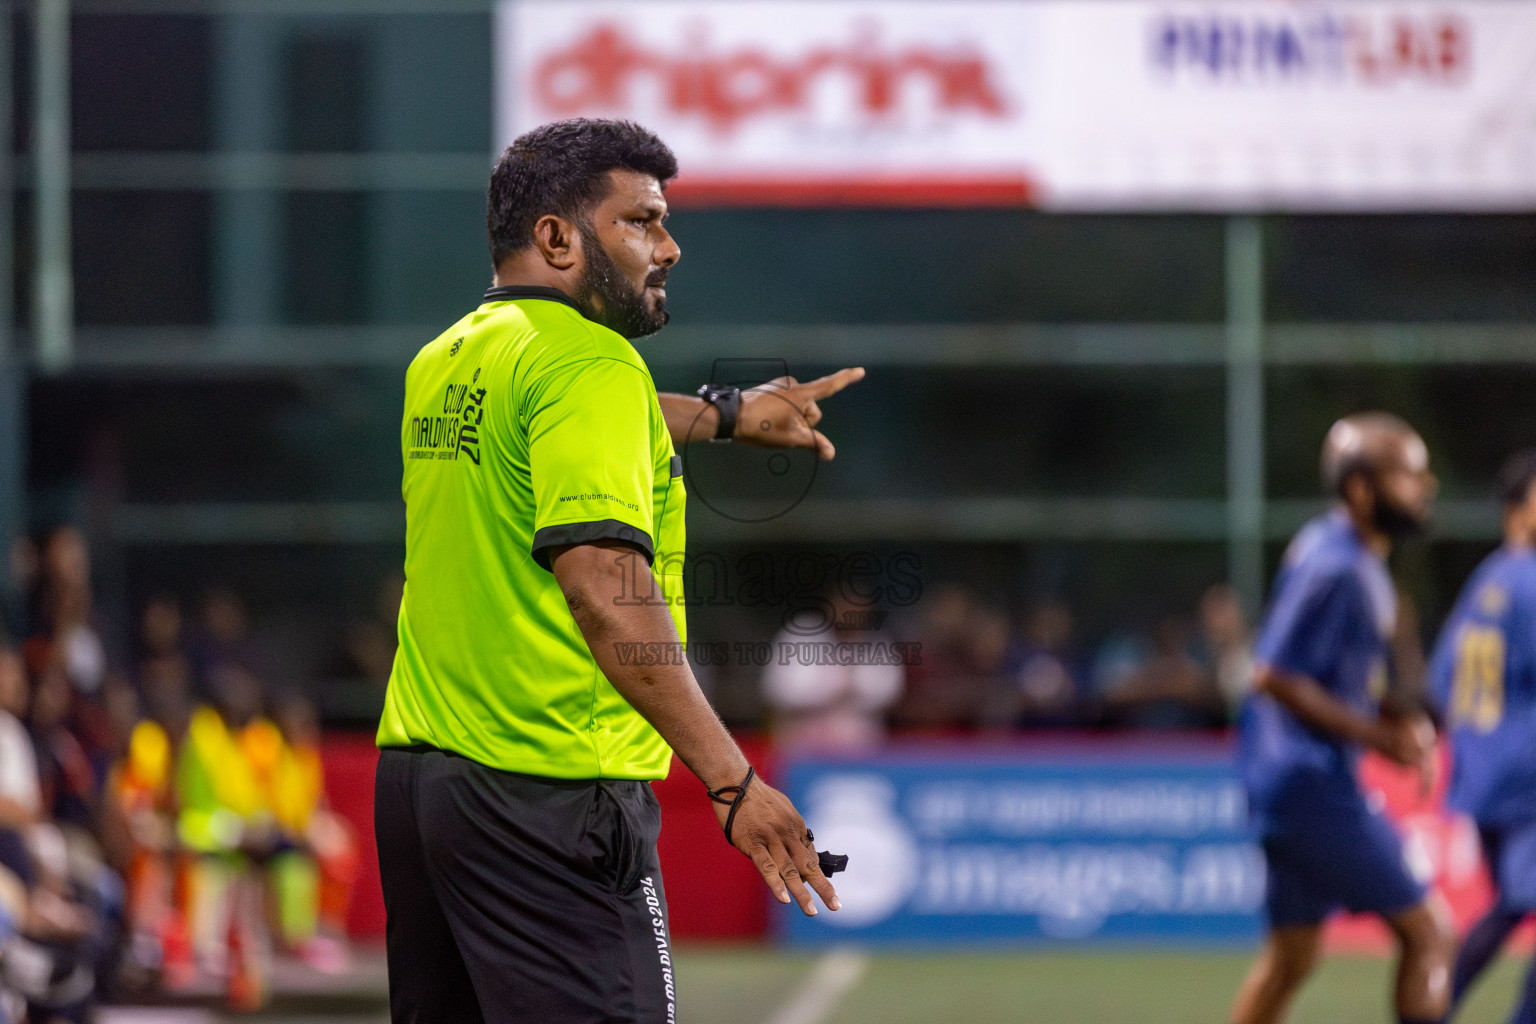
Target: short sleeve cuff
[(586, 533)]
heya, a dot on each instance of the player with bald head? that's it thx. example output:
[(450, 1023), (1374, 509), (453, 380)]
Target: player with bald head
[(1320, 673), (1378, 468)]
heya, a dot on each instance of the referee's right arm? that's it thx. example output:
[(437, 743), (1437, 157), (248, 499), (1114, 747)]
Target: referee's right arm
[(767, 828)]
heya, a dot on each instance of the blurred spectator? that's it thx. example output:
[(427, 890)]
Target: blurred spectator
[(990, 650), (66, 639), (225, 821), (13, 910), (942, 692), (23, 564), (165, 676), (58, 900), (72, 802), (21, 798), (1228, 645), (65, 771), (1117, 658), (1169, 690), (222, 642), (1043, 685), (315, 870), (821, 704), (163, 666), (66, 610), (140, 787), (287, 794), (368, 647)]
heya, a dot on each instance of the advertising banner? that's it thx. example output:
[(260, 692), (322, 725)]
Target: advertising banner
[(1123, 840), (946, 849), (1115, 104), (1352, 105), (792, 101)]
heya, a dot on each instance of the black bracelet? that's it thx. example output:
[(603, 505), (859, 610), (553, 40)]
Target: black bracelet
[(726, 399), (738, 792), (829, 863)]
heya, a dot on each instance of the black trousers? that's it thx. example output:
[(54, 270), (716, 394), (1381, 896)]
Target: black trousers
[(520, 898)]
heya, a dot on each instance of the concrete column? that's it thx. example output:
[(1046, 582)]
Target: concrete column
[(247, 246), (13, 394), (53, 292), (1245, 409)]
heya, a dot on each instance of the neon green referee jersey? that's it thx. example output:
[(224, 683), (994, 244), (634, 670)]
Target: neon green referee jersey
[(527, 426)]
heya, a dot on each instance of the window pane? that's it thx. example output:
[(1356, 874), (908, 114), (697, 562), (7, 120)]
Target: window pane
[(139, 83), (1419, 267), (1035, 431), (326, 77), (142, 257), (300, 436), (944, 266), (325, 270), (1472, 417)]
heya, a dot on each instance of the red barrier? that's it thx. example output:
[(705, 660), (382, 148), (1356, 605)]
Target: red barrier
[(349, 760), (713, 892)]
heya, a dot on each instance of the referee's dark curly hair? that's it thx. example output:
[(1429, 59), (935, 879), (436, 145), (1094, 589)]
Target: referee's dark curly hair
[(561, 168)]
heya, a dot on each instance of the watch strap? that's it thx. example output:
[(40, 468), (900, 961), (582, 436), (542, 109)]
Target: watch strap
[(726, 399)]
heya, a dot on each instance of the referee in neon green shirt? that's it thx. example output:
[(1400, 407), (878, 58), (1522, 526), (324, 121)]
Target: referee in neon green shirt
[(515, 821)]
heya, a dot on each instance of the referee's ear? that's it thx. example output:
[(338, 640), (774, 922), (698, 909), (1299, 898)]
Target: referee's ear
[(558, 241)]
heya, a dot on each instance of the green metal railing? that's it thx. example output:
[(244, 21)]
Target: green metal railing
[(1244, 345)]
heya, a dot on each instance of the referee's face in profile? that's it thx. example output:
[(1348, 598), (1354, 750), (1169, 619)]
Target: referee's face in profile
[(630, 226)]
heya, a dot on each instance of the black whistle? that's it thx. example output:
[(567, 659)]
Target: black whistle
[(831, 863)]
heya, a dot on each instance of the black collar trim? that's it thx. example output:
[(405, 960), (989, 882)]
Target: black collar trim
[(508, 292)]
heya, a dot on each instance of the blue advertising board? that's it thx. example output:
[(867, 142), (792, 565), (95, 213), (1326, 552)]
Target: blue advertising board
[(1065, 848)]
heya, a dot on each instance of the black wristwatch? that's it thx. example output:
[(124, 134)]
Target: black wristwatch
[(727, 399)]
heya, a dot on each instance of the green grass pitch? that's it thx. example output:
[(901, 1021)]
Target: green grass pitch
[(746, 986)]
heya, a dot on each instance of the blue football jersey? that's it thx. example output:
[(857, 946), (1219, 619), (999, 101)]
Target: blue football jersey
[(1330, 619), (1483, 676)]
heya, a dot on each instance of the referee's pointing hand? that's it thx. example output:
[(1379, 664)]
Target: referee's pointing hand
[(769, 830), (783, 412)]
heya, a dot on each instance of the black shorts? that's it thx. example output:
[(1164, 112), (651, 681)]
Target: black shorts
[(520, 898)]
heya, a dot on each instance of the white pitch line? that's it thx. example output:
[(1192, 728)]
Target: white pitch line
[(833, 977), (152, 1015)]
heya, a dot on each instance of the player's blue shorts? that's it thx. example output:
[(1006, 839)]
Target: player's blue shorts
[(1511, 854), (1348, 857)]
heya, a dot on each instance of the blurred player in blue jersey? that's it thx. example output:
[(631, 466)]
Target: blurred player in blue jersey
[(1484, 677), (1320, 671)]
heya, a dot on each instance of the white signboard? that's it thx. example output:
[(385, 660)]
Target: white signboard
[(1111, 104), (1289, 105)]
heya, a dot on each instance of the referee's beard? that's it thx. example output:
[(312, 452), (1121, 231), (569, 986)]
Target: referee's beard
[(617, 305)]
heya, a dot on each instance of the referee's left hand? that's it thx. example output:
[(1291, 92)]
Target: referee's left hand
[(771, 832), (783, 412)]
